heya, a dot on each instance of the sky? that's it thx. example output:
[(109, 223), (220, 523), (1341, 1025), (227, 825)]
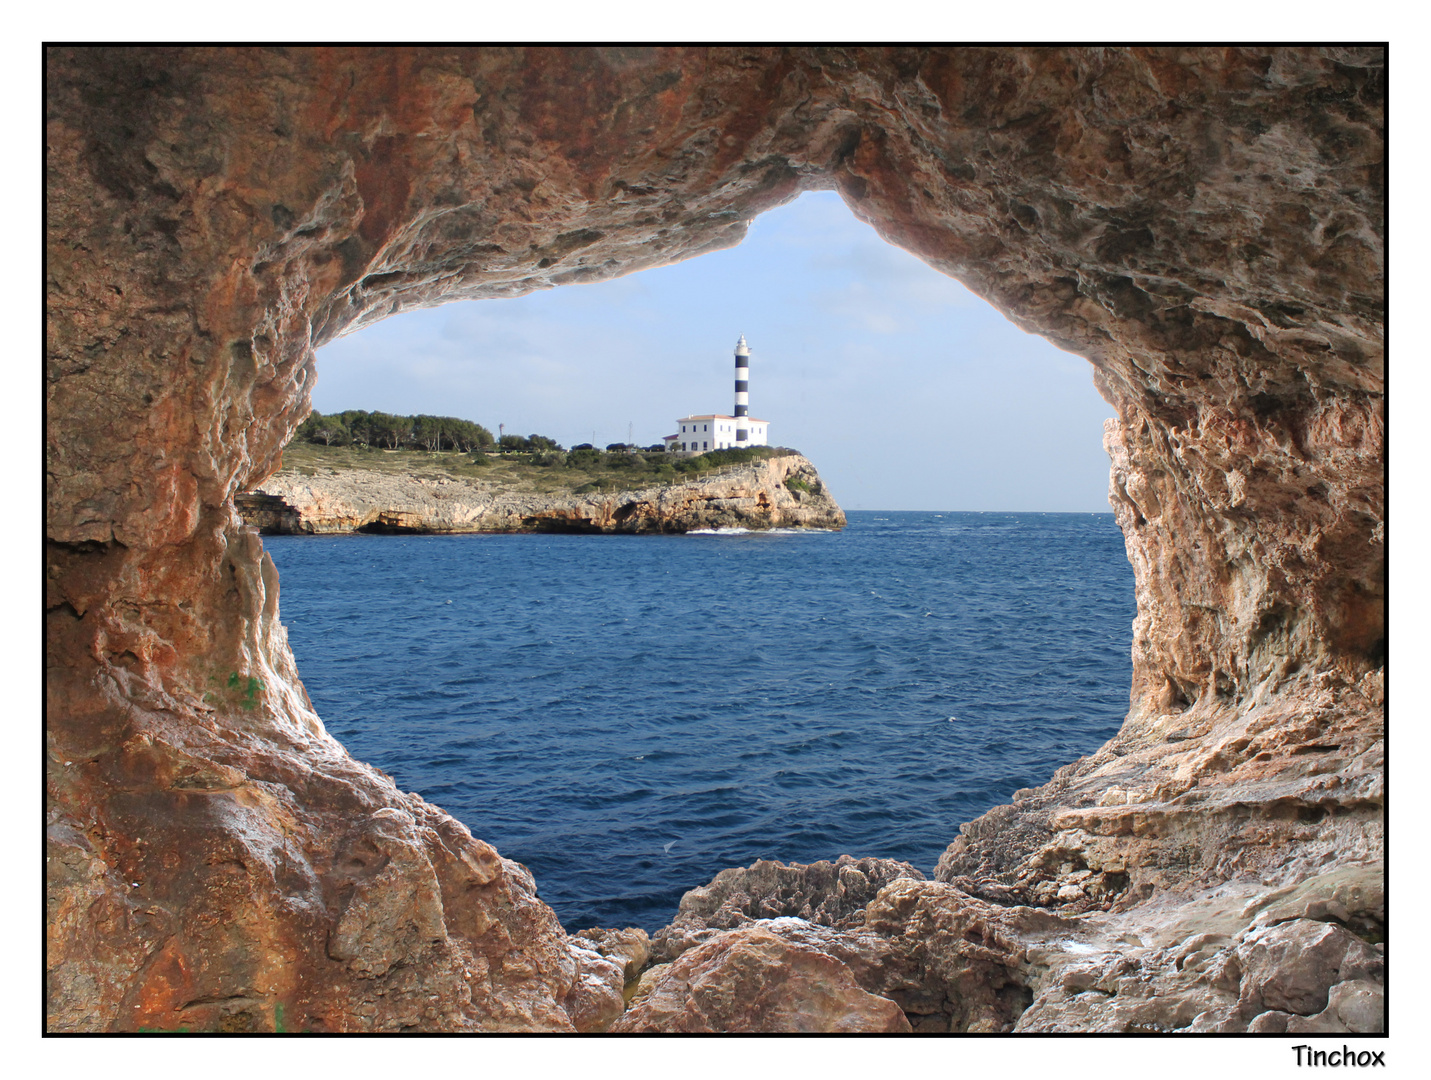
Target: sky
[(906, 390)]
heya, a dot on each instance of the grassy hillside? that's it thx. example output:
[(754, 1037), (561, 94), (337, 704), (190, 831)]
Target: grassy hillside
[(574, 470)]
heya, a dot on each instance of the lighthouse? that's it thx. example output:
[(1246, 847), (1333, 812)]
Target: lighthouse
[(742, 392), (716, 431)]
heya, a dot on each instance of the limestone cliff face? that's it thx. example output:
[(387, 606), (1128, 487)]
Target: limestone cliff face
[(1205, 225), (754, 495)]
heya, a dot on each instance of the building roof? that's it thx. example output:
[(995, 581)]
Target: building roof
[(723, 416)]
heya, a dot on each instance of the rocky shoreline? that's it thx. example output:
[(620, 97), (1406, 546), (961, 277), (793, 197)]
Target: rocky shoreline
[(869, 945), (777, 492)]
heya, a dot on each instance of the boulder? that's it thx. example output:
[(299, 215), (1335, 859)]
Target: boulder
[(753, 980), (1292, 966)]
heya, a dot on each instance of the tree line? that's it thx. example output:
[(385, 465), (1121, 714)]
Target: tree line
[(356, 427)]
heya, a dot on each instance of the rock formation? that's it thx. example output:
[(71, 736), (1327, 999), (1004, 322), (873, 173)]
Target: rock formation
[(753, 980), (1246, 956), (754, 495), (829, 893), (1205, 225)]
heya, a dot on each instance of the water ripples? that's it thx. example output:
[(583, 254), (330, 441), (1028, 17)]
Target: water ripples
[(584, 701)]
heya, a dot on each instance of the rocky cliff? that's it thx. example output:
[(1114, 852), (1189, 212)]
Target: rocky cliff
[(1205, 225), (779, 492)]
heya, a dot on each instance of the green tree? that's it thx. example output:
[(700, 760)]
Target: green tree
[(308, 430), (360, 426), (390, 431), (464, 434), (428, 431), (431, 433), (331, 432)]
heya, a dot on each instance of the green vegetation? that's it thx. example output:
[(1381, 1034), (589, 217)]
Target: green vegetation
[(250, 689), (715, 459), (516, 444), (543, 468), (241, 691), (356, 427)]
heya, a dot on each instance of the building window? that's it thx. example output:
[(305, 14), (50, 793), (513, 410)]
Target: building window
[(705, 446), (705, 427)]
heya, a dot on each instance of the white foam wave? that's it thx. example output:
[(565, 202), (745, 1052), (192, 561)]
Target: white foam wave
[(735, 530)]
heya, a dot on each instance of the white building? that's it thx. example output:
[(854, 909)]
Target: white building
[(715, 431)]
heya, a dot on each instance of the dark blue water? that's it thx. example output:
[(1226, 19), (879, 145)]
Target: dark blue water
[(628, 715)]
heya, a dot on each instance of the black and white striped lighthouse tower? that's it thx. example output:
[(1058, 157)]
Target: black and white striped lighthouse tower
[(742, 391)]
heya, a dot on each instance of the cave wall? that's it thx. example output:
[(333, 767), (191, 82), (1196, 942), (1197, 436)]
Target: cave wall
[(1205, 225)]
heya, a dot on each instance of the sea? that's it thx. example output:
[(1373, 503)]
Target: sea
[(629, 715)]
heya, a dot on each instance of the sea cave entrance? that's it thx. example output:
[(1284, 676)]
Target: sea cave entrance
[(628, 722), (1204, 225)]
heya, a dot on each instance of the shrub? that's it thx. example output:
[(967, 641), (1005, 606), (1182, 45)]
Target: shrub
[(715, 459)]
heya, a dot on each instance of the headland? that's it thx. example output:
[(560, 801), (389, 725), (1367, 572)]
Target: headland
[(346, 490)]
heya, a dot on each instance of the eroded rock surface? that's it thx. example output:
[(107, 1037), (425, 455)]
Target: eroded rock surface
[(829, 893), (1239, 958), (1280, 786), (753, 495), (1205, 225), (752, 980)]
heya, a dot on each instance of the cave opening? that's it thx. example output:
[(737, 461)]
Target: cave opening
[(558, 697), (1205, 225)]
